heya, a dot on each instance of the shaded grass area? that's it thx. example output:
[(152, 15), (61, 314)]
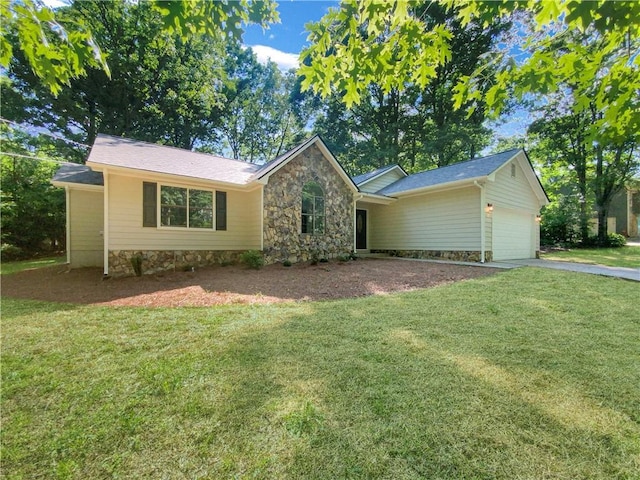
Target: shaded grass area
[(628, 256), (7, 268), (527, 374)]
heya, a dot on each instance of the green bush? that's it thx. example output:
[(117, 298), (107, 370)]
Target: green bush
[(10, 253), (286, 263), (253, 259), (613, 240), (560, 223), (315, 258), (616, 240)]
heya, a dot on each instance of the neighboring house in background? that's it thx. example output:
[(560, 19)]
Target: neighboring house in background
[(624, 213), (176, 208)]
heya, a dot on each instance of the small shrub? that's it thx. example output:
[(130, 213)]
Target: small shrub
[(286, 263), (253, 259), (616, 240), (136, 263), (344, 258), (10, 252), (613, 240), (315, 258), (324, 260), (353, 256)]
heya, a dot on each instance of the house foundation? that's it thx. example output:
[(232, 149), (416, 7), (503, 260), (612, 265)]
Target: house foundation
[(453, 255), (155, 261)]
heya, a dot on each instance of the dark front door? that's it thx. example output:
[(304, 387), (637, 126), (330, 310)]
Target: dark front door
[(361, 229)]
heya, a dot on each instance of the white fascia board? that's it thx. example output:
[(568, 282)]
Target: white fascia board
[(78, 186), (373, 198)]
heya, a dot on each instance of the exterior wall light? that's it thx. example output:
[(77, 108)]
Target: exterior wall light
[(489, 208), (538, 218)]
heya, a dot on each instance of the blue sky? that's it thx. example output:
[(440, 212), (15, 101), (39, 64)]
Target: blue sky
[(283, 41)]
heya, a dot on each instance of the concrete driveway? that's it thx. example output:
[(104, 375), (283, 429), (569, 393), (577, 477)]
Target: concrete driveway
[(619, 272)]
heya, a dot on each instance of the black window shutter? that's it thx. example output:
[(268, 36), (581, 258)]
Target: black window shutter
[(221, 210), (149, 204)]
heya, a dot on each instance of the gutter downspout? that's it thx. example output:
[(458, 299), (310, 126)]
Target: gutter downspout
[(105, 232), (68, 225), (483, 239)]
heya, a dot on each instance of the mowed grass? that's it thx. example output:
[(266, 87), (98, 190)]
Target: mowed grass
[(7, 268), (627, 256), (527, 374)]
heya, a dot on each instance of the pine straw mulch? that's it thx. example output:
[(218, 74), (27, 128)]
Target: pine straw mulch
[(236, 284)]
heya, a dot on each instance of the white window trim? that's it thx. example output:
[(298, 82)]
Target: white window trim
[(187, 227)]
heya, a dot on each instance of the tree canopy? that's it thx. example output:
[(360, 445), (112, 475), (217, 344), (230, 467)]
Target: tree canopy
[(387, 43), (59, 47)]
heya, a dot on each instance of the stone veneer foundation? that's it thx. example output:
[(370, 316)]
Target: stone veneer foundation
[(283, 211), (154, 261), (454, 255)]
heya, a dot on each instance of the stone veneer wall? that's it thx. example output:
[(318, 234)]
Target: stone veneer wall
[(454, 255), (283, 210), (154, 261)]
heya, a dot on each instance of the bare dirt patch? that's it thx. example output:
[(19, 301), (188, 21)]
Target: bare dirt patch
[(235, 284)]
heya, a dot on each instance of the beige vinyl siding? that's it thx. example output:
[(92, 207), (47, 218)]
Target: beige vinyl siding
[(509, 192), (437, 221), (85, 217), (379, 183), (127, 233), (515, 194)]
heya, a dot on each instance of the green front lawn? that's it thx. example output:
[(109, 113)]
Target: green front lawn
[(530, 373), (14, 267), (614, 257)]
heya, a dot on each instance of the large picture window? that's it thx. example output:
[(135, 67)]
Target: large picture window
[(186, 207), (312, 209)]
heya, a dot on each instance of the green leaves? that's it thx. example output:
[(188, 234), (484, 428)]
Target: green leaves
[(57, 49), (593, 46), (371, 41), (217, 18)]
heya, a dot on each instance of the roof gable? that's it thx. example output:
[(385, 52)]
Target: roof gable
[(108, 151), (370, 176), (272, 167)]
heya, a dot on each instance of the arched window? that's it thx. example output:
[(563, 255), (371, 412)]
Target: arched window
[(312, 209)]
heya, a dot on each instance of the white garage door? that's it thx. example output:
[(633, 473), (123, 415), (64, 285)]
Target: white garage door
[(513, 234)]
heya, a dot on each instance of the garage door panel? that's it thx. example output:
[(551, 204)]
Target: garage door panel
[(513, 235)]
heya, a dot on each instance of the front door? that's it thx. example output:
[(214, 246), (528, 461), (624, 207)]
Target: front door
[(361, 229)]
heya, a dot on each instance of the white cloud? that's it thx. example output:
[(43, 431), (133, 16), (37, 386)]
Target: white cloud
[(284, 60)]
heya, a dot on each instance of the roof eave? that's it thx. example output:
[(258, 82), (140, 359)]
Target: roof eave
[(77, 185), (375, 198), (439, 187), (154, 174)]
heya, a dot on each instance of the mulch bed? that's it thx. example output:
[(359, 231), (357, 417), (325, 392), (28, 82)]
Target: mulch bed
[(235, 284)]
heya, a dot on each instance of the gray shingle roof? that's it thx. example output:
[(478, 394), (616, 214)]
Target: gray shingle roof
[(126, 153), (76, 173), (478, 167), (359, 179)]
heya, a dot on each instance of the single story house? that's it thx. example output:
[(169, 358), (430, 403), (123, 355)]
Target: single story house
[(176, 208)]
